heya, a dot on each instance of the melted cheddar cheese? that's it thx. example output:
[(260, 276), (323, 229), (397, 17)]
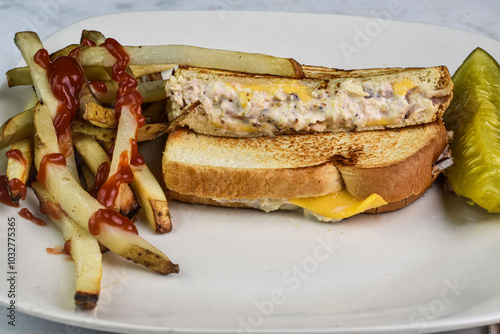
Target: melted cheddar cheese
[(246, 91), (338, 205), (402, 87)]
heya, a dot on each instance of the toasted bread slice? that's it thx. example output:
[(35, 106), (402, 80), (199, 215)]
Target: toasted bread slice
[(326, 100), (396, 164)]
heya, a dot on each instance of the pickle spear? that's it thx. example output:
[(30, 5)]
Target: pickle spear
[(474, 116)]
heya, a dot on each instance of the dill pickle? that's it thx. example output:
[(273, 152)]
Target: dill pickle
[(474, 116)]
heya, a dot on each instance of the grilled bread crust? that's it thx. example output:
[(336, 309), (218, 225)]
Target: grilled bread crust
[(396, 164)]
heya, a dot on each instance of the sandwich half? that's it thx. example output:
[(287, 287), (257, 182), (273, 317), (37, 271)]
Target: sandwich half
[(332, 144), (222, 103), (330, 176)]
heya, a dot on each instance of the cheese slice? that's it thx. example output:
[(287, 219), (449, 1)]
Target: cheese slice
[(338, 205), (402, 87), (246, 91)]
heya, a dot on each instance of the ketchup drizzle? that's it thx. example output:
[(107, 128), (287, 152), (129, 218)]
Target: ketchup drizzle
[(136, 158), (26, 214), (109, 190), (127, 95), (52, 158), (19, 186), (100, 178), (110, 217), (16, 155), (51, 209), (58, 250), (99, 86), (4, 193), (66, 78), (88, 42), (110, 151), (67, 247), (16, 184), (85, 42)]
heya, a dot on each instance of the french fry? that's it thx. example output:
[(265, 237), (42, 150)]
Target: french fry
[(94, 156), (150, 194), (152, 199), (151, 131), (20, 76), (144, 133), (84, 250), (95, 36), (20, 126), (196, 56), (126, 131), (185, 112), (96, 132), (142, 70), (81, 207), (100, 116), (64, 51), (17, 128), (151, 91), (88, 177), (89, 101), (29, 44), (19, 161)]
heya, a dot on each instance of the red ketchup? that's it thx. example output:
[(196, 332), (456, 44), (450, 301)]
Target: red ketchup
[(110, 217), (52, 158), (4, 193), (110, 151), (26, 214), (67, 247), (16, 184), (88, 42), (16, 155), (100, 178), (136, 158), (98, 86), (51, 209), (85, 42), (109, 190), (127, 95), (66, 78)]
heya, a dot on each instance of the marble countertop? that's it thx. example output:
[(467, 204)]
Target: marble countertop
[(47, 16)]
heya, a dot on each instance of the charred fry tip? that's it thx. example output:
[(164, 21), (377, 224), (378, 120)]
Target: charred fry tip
[(86, 300), (299, 73)]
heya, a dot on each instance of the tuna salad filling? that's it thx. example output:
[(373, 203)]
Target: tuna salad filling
[(242, 108)]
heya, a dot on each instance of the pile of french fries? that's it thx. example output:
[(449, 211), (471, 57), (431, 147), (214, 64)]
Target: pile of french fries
[(65, 195)]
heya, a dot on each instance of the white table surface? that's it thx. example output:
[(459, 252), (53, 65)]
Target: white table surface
[(47, 16)]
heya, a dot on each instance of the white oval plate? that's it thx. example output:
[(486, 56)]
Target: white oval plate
[(432, 266)]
